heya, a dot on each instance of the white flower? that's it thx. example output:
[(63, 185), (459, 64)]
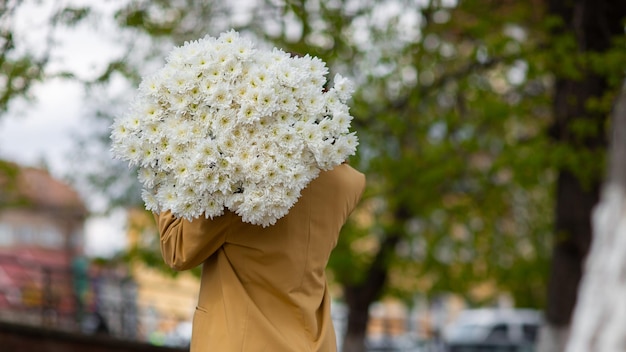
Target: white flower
[(225, 125), (147, 176), (150, 200), (179, 103), (212, 205), (150, 85), (166, 195), (343, 86), (342, 120)]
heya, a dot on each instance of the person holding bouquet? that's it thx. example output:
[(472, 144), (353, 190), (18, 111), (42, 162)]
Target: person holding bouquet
[(264, 288), (241, 153)]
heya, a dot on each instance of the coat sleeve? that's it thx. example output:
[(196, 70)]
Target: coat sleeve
[(186, 244)]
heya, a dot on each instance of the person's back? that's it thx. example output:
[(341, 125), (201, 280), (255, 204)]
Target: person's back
[(265, 289)]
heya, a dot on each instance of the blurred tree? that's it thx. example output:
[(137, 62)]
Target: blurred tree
[(587, 60), (9, 193), (467, 123), (453, 110), (599, 314), (17, 69), (21, 65)]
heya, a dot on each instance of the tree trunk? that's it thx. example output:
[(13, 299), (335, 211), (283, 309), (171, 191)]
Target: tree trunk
[(360, 296), (593, 24), (358, 316), (600, 315)]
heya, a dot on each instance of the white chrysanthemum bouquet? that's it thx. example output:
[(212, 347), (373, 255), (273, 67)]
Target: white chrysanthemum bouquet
[(226, 125)]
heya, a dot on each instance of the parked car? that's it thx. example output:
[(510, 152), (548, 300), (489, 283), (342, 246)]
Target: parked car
[(402, 343), (485, 330)]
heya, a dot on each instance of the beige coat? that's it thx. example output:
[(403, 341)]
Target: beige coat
[(265, 289)]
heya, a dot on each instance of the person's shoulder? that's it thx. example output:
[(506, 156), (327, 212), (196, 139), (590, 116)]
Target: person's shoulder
[(349, 173), (344, 177)]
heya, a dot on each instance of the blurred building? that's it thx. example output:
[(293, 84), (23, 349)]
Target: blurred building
[(41, 237)]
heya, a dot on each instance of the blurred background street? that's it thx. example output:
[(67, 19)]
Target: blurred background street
[(489, 133)]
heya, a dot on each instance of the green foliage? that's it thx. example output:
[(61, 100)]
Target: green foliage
[(453, 110), (20, 68), (453, 126), (177, 21), (17, 75), (10, 195), (71, 16), (353, 254)]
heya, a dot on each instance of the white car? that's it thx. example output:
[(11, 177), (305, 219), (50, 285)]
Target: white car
[(493, 327)]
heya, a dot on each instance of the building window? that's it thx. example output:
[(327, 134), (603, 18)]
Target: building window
[(51, 237), (25, 234), (78, 238), (6, 235)]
